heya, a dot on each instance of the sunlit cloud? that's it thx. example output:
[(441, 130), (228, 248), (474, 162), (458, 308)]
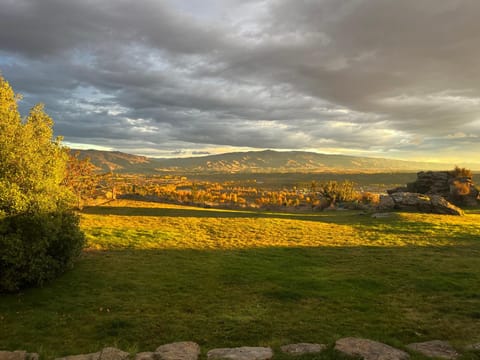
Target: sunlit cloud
[(189, 78)]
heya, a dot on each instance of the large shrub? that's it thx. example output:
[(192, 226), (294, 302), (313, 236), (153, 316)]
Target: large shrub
[(37, 247), (39, 235)]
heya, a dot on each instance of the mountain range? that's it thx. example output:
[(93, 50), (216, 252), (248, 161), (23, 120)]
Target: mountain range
[(267, 161)]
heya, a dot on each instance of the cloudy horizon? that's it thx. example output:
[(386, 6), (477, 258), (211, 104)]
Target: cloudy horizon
[(392, 79)]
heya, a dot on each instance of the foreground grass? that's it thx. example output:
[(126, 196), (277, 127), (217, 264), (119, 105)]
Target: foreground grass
[(156, 273)]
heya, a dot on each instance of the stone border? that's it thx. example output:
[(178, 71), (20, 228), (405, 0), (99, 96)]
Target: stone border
[(188, 350)]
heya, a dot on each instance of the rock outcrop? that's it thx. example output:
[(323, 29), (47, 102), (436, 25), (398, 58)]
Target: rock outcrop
[(458, 189), (439, 192), (434, 204)]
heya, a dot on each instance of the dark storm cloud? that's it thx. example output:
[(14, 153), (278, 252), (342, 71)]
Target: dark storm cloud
[(371, 76), (48, 27)]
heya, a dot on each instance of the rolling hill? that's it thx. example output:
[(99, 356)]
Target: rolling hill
[(267, 161)]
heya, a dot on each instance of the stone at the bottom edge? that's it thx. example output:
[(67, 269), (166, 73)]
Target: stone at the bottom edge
[(147, 355), (18, 355), (91, 356), (183, 350), (108, 353), (435, 348), (369, 349), (302, 348), (241, 353)]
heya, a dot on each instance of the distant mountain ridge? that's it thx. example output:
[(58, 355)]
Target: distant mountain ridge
[(267, 161)]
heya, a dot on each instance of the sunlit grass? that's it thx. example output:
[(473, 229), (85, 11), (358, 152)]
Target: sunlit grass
[(155, 273), (160, 226)]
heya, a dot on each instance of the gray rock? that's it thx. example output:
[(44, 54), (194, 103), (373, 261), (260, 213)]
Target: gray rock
[(241, 353), (397, 189), (424, 203), (144, 356), (303, 348), (111, 353), (369, 349), (442, 206), (13, 355), (91, 356), (435, 348), (414, 200), (108, 353), (382, 215), (386, 203), (18, 355), (184, 350)]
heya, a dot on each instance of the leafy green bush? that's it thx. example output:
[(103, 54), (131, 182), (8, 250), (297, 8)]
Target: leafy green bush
[(39, 235), (37, 247)]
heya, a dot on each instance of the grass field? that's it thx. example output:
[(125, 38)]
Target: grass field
[(155, 273)]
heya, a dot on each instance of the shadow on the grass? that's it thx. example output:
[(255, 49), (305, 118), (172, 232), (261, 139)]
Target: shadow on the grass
[(262, 296), (217, 213)]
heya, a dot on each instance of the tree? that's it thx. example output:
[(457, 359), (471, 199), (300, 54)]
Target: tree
[(338, 192), (80, 177), (39, 234)]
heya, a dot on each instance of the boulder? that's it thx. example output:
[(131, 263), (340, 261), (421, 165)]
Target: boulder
[(386, 203), (397, 189), (108, 353), (13, 355), (18, 355), (144, 356), (382, 215), (91, 356), (431, 182), (241, 353), (435, 348), (303, 348), (418, 202), (411, 201), (369, 349), (111, 353), (442, 206), (184, 350)]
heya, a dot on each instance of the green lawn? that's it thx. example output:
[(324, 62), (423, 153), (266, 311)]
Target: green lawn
[(157, 273)]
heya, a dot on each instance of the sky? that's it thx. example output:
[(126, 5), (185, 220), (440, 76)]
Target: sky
[(379, 78)]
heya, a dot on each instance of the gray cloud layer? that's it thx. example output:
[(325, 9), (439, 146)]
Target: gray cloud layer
[(384, 78)]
